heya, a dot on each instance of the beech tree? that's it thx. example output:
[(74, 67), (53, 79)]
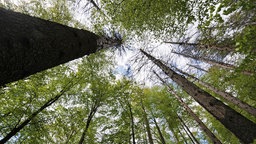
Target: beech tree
[(231, 119), (30, 45)]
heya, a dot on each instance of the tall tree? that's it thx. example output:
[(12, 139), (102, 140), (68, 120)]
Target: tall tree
[(19, 127), (202, 46), (214, 62), (145, 117), (227, 96), (30, 45), (197, 67), (191, 113), (186, 127), (231, 119)]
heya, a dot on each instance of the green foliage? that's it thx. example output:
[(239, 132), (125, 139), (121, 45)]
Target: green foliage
[(159, 17)]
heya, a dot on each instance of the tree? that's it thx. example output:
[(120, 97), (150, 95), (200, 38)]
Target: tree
[(202, 46), (216, 63), (227, 96), (197, 67), (47, 104), (231, 119), (191, 113), (30, 45)]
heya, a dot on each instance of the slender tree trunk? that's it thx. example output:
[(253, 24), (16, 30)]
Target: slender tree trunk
[(150, 139), (231, 119), (189, 136), (214, 62), (182, 136), (227, 96), (159, 132), (203, 46), (17, 129), (214, 139), (197, 67), (29, 45), (132, 123), (186, 127), (88, 121)]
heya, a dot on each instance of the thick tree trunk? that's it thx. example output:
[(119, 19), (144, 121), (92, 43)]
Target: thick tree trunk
[(214, 62), (197, 67), (17, 129), (150, 139), (29, 45), (159, 132), (242, 127), (227, 96), (186, 127), (203, 46)]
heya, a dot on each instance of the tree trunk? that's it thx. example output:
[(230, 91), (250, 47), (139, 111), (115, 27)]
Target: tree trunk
[(88, 121), (29, 45), (93, 110), (214, 62), (182, 136), (159, 132), (132, 122), (150, 139), (197, 67), (227, 96), (203, 46), (17, 129), (204, 128), (189, 136), (186, 127), (242, 127)]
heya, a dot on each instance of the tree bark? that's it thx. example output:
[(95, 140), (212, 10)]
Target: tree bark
[(17, 129), (29, 45), (242, 127), (216, 63), (197, 67), (189, 136), (214, 139), (186, 127), (159, 132), (204, 46), (150, 139), (182, 136), (132, 122), (227, 96), (88, 121)]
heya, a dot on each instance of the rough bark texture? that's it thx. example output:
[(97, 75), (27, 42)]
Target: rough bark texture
[(227, 96), (216, 63), (242, 127), (29, 45)]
